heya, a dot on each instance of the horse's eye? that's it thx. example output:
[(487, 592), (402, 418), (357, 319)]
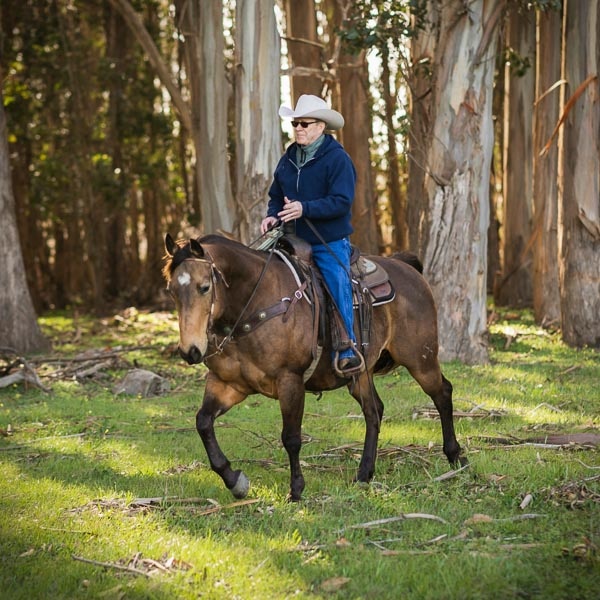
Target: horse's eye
[(203, 289)]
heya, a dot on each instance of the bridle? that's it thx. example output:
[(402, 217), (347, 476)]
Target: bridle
[(215, 275)]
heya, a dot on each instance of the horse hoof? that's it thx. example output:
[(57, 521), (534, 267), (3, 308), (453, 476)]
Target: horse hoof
[(241, 487)]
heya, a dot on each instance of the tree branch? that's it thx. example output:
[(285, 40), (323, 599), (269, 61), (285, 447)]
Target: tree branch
[(137, 27)]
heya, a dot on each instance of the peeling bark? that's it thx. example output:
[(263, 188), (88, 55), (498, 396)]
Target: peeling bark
[(258, 126), (579, 179), (456, 181)]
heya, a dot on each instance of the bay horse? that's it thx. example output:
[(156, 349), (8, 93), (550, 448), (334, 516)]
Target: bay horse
[(241, 312)]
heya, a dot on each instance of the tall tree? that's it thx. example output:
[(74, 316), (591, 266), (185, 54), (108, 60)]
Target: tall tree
[(459, 145), (201, 24), (117, 50), (420, 82), (515, 288), (546, 297), (579, 177), (258, 142), (352, 95), (305, 51), (19, 329), (81, 60)]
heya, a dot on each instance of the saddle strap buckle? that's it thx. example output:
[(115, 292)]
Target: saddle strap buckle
[(297, 296)]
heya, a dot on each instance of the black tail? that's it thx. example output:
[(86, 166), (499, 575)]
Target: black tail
[(410, 259)]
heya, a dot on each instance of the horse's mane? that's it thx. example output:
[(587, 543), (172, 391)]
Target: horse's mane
[(184, 250)]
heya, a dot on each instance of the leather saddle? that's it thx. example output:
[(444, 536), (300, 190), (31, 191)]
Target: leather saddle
[(370, 281), (371, 278)]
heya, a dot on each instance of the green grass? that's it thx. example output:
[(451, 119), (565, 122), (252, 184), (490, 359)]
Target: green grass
[(75, 460)]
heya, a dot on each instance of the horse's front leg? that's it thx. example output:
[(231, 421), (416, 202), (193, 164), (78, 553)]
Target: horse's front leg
[(218, 399), (291, 401)]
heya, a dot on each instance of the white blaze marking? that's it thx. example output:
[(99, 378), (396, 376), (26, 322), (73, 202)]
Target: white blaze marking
[(184, 279)]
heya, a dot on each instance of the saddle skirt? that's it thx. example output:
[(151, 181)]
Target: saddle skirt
[(370, 278)]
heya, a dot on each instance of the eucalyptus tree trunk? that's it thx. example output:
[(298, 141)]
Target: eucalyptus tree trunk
[(579, 178), (258, 126), (91, 206), (355, 136), (351, 96), (393, 184), (19, 330), (420, 81), (201, 24), (515, 287), (304, 49), (546, 296), (457, 172), (118, 264)]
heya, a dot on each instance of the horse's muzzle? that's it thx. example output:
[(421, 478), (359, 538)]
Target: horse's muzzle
[(192, 357)]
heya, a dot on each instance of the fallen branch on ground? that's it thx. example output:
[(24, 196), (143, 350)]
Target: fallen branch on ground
[(26, 374), (402, 517), (108, 565), (451, 474)]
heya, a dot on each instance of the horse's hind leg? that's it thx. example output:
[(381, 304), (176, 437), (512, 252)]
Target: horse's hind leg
[(366, 395), (218, 399), (439, 389)]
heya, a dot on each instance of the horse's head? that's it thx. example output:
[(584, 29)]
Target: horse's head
[(191, 280)]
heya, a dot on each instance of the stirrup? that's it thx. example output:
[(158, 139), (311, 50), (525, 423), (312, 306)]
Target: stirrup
[(352, 371)]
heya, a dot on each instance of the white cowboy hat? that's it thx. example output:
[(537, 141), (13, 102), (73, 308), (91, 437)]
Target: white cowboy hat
[(315, 107)]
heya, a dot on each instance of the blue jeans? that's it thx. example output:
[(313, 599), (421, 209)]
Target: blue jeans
[(335, 271)]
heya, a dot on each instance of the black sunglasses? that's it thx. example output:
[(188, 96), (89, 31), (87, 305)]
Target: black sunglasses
[(303, 124)]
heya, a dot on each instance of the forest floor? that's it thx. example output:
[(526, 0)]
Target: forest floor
[(105, 493)]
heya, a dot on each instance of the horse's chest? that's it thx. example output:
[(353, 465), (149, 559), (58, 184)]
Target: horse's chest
[(241, 372)]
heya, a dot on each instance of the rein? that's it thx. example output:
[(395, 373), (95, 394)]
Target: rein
[(261, 314)]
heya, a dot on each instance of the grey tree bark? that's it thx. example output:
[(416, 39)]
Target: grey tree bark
[(579, 177), (202, 27), (258, 126), (457, 171), (19, 329)]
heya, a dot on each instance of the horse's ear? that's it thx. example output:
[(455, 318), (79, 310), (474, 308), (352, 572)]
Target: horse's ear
[(170, 245), (196, 248)]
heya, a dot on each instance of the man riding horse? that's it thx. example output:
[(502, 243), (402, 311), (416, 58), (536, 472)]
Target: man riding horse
[(245, 314), (313, 188)]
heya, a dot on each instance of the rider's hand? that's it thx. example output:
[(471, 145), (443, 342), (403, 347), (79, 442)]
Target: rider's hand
[(267, 223), (292, 210)]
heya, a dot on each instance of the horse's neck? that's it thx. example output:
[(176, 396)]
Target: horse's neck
[(241, 270)]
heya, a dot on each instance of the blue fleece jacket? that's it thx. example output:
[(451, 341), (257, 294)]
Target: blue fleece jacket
[(324, 186)]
